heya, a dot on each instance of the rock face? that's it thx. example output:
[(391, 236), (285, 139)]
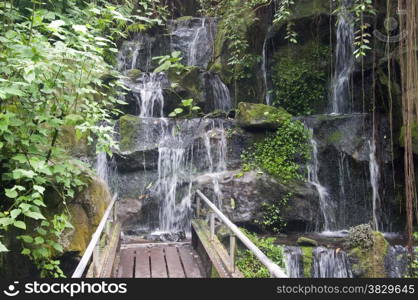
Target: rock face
[(260, 116), (244, 194), (345, 158), (86, 212)]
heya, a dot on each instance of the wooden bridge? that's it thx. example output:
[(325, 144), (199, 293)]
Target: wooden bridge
[(202, 257)]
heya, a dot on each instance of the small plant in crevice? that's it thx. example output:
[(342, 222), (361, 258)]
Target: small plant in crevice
[(249, 264), (187, 109), (282, 154), (171, 62), (360, 236), (271, 219)]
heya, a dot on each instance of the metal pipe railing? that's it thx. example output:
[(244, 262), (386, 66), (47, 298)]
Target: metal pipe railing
[(275, 270), (93, 247)]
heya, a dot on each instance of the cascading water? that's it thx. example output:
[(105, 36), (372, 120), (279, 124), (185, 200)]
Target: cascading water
[(326, 206), (102, 167), (217, 91), (294, 261), (264, 68), (330, 263), (148, 92), (344, 60), (374, 181)]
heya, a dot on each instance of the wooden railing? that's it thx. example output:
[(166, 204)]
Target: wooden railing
[(93, 258), (275, 270)]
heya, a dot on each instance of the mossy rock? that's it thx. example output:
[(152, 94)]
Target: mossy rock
[(128, 125), (370, 263), (414, 137), (75, 146), (251, 115), (134, 73), (86, 212), (307, 259), (184, 19), (304, 241)]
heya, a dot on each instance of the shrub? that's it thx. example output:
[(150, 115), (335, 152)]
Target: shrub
[(360, 236)]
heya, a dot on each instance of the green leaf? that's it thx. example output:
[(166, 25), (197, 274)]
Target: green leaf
[(39, 240), (3, 248), (11, 193), (6, 222), (26, 238), (25, 251), (15, 212), (39, 189), (19, 224), (21, 173), (34, 215)]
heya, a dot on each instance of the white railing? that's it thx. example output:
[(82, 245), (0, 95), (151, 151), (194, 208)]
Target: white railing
[(275, 270), (92, 253)]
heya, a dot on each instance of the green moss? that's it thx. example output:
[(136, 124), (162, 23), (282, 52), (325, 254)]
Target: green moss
[(307, 253), (370, 263), (134, 73), (414, 137), (184, 18), (304, 241), (335, 137), (260, 115), (128, 125), (300, 78)]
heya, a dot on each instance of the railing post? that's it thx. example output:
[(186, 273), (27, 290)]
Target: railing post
[(198, 201), (212, 226), (232, 247)]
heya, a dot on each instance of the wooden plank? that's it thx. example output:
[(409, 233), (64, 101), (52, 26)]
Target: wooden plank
[(126, 265), (189, 263), (158, 265), (142, 265), (175, 269)]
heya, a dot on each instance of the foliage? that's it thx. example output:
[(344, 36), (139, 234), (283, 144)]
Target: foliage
[(53, 74), (283, 14), (360, 9), (188, 107), (237, 16), (249, 264), (281, 154), (360, 236), (171, 62), (271, 219), (148, 14), (299, 81)]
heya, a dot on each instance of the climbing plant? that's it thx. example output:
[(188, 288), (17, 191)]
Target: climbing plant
[(300, 79), (282, 154), (271, 219)]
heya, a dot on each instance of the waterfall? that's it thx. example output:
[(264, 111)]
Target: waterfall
[(264, 69), (397, 261), (102, 167), (219, 92), (374, 181), (344, 61), (330, 263), (326, 206), (294, 261), (148, 91), (193, 49)]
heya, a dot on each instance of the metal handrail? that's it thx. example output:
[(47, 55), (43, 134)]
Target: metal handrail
[(84, 262), (275, 270)]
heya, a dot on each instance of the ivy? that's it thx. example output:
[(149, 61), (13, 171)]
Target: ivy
[(282, 154), (300, 79)]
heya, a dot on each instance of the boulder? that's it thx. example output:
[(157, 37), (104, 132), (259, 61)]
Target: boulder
[(86, 212), (304, 241), (243, 195), (260, 116)]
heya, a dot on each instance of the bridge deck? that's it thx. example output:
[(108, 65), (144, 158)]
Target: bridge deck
[(158, 260)]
